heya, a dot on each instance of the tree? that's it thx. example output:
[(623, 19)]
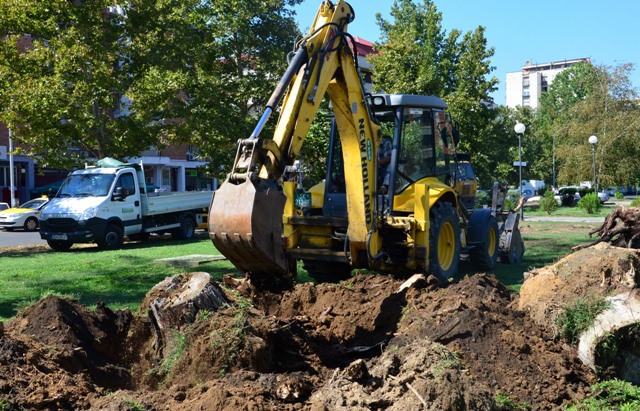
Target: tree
[(418, 56), (587, 100), (115, 77)]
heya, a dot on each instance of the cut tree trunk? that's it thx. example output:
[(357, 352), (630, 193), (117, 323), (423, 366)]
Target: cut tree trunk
[(176, 301)]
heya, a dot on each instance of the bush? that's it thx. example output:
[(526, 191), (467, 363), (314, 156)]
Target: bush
[(548, 202), (635, 202), (590, 203), (618, 195), (583, 191)]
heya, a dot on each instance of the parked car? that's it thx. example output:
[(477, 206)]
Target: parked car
[(26, 216), (4, 206), (603, 196)]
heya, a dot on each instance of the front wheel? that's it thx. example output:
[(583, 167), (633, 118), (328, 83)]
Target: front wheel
[(57, 245), (31, 224), (444, 242), (112, 238)]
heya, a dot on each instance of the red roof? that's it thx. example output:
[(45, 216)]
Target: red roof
[(365, 47)]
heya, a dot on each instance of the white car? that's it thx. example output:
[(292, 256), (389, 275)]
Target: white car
[(26, 216)]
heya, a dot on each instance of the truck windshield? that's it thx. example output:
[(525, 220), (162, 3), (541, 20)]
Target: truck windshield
[(92, 185)]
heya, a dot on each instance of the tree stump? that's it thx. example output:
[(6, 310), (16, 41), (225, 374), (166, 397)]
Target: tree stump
[(175, 302)]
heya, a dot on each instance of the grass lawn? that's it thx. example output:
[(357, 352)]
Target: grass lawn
[(121, 278), (534, 211)]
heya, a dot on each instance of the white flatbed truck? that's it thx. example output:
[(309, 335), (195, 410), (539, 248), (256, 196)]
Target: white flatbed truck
[(104, 204)]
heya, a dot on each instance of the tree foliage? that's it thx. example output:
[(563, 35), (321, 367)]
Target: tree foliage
[(115, 77), (417, 56), (587, 100)]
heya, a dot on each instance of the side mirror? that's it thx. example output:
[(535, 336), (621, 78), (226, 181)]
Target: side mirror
[(119, 194)]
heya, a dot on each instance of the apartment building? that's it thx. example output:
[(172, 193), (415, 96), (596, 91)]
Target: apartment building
[(524, 88)]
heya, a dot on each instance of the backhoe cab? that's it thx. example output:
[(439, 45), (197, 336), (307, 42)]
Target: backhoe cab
[(388, 201)]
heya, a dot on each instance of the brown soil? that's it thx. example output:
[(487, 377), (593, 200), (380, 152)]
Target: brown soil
[(357, 345)]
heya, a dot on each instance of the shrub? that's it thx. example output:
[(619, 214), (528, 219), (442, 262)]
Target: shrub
[(635, 202), (618, 195), (548, 202), (583, 191), (590, 203)]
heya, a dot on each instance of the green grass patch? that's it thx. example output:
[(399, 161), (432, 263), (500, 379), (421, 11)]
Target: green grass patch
[(121, 278)]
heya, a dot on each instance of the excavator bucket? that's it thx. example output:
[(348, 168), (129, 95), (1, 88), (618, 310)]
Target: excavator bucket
[(245, 225)]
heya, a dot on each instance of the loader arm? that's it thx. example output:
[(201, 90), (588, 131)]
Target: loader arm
[(246, 214)]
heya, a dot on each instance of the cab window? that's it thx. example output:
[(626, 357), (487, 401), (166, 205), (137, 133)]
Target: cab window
[(127, 183)]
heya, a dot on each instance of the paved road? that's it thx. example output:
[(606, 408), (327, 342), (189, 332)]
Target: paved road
[(19, 237)]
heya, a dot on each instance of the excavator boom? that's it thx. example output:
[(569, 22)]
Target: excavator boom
[(246, 214)]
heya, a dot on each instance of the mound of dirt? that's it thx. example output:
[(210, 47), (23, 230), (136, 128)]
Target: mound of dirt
[(600, 270), (359, 345)]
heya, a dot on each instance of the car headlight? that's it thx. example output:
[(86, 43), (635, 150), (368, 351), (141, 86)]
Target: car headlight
[(89, 213), (43, 216)]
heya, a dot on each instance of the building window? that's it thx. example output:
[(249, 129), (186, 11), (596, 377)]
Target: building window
[(525, 102)]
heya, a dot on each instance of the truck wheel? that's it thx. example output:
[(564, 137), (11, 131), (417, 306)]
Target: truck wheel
[(31, 224), (485, 255), (57, 245), (444, 242), (112, 238), (325, 272), (186, 231)]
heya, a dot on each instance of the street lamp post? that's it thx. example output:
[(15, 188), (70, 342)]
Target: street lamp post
[(593, 140), (12, 201), (519, 129)]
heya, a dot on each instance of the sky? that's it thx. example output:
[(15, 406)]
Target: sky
[(539, 31)]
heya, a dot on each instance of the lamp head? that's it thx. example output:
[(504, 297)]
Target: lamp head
[(593, 140), (519, 128)]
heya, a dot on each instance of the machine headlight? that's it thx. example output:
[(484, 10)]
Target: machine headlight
[(43, 216), (89, 213)]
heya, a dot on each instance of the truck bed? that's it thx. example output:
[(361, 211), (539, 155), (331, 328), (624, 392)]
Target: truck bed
[(161, 203)]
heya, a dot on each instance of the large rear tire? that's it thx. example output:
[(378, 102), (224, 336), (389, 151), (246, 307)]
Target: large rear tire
[(444, 242), (187, 229), (112, 238), (484, 256), (58, 245), (327, 272)]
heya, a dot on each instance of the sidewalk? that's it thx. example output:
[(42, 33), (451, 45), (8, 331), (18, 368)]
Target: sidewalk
[(566, 219)]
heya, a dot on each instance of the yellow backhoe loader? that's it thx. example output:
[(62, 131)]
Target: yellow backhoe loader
[(399, 214)]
